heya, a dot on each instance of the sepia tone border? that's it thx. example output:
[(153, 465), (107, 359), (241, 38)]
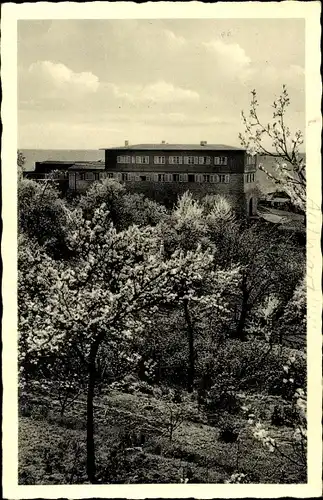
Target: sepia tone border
[(310, 11)]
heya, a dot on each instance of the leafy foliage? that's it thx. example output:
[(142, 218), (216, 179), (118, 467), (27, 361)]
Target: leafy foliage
[(115, 292)]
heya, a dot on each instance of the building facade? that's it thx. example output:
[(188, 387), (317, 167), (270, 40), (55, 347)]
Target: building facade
[(202, 169), (167, 170), (75, 176), (82, 174)]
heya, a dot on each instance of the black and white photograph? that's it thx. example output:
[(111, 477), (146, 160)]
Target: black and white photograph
[(163, 249)]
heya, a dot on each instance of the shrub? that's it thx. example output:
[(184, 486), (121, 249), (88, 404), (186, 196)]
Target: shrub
[(219, 399), (252, 364), (283, 415)]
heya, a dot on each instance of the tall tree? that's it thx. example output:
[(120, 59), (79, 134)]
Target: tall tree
[(43, 215), (289, 168), (105, 296)]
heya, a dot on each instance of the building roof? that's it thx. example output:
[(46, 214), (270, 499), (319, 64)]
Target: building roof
[(286, 220), (88, 165), (176, 147), (280, 200), (56, 162)]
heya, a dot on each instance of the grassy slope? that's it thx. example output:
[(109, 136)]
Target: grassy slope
[(52, 451)]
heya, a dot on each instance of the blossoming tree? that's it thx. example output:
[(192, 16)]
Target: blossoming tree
[(290, 168), (104, 296)]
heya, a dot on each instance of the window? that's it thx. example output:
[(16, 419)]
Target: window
[(204, 160), (96, 176), (124, 177), (143, 177), (175, 160), (224, 178), (164, 177), (109, 175), (159, 160), (123, 159), (220, 160), (82, 176), (191, 160), (251, 160), (176, 177), (250, 178), (206, 178), (142, 159), (191, 178)]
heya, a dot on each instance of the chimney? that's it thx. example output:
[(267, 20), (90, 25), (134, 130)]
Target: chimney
[(126, 143), (163, 142), (203, 143)]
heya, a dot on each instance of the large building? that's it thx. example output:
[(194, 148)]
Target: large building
[(166, 170), (202, 169)]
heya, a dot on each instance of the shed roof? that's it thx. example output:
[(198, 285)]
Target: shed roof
[(176, 147), (89, 165), (55, 162), (279, 199)]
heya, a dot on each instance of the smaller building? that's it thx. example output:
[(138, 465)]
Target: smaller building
[(76, 176), (82, 174), (276, 199)]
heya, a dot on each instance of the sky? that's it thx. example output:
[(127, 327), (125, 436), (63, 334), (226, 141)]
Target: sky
[(88, 84)]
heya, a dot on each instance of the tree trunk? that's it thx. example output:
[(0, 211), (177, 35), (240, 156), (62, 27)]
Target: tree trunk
[(240, 333), (190, 333), (90, 448)]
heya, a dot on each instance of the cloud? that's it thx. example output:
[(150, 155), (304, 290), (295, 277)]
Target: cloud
[(228, 54), (176, 74), (166, 92), (174, 40), (160, 92), (62, 77)]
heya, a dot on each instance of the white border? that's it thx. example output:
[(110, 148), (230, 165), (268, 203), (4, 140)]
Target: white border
[(310, 11)]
